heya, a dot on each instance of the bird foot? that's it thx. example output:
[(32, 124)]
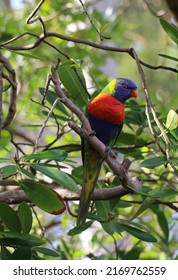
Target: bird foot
[(110, 152), (92, 133)]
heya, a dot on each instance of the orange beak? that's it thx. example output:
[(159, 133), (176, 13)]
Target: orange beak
[(134, 93)]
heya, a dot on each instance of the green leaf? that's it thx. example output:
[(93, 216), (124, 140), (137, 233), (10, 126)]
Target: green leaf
[(105, 27), (9, 217), (126, 139), (80, 229), (133, 254), (172, 120), (171, 31), (4, 160), (25, 216), (56, 154), (140, 234), (103, 209), (46, 251), (56, 116), (152, 195), (4, 142), (43, 197), (19, 239), (29, 55), (108, 227), (169, 57), (154, 162), (26, 173), (51, 97), (174, 134), (123, 204), (161, 220), (22, 253), (74, 82), (162, 192), (8, 171), (5, 36), (145, 205), (57, 176)]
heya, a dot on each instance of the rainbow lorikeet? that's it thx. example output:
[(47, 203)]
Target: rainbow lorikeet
[(106, 115)]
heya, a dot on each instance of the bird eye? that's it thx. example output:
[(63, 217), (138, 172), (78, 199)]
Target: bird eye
[(125, 85)]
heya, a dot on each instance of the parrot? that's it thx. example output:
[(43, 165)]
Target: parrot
[(105, 114)]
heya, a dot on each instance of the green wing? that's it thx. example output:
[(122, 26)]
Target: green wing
[(92, 162)]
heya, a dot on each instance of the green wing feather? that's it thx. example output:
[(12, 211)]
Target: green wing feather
[(110, 88), (92, 162)]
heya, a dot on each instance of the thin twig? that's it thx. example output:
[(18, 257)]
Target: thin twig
[(44, 124), (92, 22), (149, 106), (31, 19)]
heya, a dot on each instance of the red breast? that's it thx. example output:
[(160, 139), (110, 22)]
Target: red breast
[(107, 108)]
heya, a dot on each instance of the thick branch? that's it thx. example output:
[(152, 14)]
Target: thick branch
[(17, 196)]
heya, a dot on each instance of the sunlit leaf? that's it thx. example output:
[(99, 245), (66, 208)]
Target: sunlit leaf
[(172, 120)]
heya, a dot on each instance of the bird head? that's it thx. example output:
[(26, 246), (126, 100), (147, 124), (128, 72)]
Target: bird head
[(124, 89)]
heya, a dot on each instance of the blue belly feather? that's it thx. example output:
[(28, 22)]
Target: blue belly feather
[(105, 131)]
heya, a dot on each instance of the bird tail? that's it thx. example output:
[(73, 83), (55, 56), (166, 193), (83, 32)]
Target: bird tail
[(92, 168)]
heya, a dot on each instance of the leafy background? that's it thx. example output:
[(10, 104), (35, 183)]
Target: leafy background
[(139, 226)]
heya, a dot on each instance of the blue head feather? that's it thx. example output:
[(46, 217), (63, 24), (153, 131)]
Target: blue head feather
[(124, 89)]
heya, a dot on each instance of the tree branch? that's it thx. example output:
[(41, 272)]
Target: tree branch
[(17, 196), (43, 37), (13, 94)]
